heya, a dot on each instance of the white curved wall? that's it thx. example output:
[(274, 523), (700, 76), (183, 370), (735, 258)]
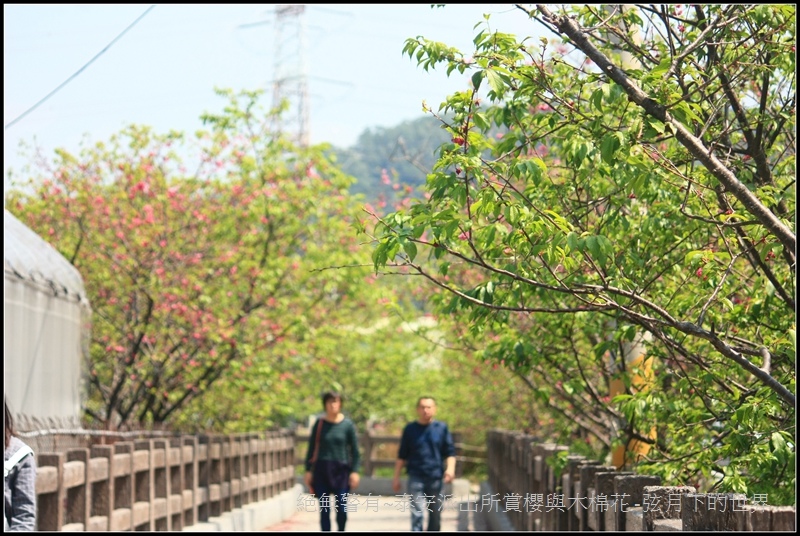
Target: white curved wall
[(45, 328)]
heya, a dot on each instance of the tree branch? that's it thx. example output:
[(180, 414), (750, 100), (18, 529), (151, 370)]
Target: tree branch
[(569, 28)]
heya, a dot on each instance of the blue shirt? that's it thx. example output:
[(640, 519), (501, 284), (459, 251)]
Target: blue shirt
[(424, 447)]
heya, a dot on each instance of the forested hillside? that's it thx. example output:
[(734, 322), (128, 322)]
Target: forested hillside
[(386, 159)]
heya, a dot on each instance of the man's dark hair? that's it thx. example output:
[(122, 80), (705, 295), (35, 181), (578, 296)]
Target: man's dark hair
[(420, 399), (331, 395)]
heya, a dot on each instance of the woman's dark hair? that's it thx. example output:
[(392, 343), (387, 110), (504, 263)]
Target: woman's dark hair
[(9, 425), (331, 395)]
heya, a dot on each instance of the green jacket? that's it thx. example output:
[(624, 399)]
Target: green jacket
[(338, 442)]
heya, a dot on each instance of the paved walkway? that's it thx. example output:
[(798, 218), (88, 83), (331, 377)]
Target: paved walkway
[(371, 513)]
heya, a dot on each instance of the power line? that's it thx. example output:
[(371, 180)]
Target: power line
[(79, 71)]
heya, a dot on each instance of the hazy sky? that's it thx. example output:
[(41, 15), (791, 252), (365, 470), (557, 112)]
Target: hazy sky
[(162, 71)]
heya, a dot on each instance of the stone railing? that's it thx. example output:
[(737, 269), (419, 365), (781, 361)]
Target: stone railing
[(589, 496), (160, 484)]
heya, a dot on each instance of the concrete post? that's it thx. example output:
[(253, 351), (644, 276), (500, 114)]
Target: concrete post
[(630, 489), (713, 511), (103, 501), (51, 505), (661, 506), (79, 498)]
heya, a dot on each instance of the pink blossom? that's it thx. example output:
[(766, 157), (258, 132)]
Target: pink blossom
[(148, 210)]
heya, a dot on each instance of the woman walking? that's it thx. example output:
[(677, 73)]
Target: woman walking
[(332, 461)]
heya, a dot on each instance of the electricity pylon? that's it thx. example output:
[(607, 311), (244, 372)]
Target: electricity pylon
[(291, 80)]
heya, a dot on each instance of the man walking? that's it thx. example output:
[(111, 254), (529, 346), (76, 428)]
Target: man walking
[(429, 455)]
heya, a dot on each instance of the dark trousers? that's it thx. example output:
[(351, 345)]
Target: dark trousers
[(331, 486), (328, 499)]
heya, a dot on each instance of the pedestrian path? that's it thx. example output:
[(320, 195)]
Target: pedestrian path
[(372, 513)]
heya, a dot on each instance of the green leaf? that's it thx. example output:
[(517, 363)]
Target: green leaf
[(601, 349), (592, 246), (477, 78), (490, 236), (597, 99), (531, 170), (662, 67), (608, 147), (580, 154), (519, 350), (411, 249), (481, 121), (496, 82), (728, 303), (572, 241), (540, 164), (654, 124), (692, 255)]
